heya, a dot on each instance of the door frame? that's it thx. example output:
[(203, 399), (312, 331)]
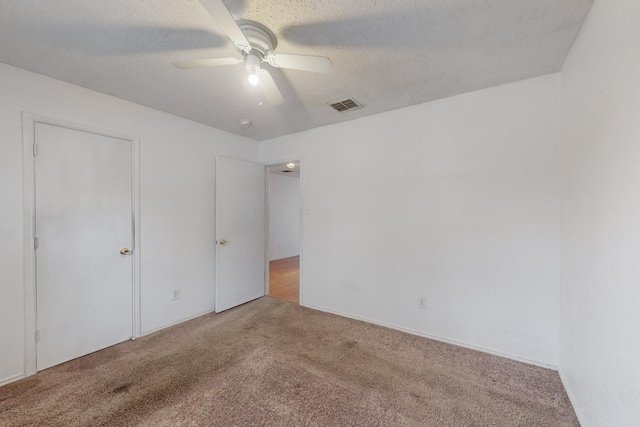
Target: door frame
[(29, 121), (268, 229)]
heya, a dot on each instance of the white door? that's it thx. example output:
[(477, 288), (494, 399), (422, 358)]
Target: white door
[(240, 231), (83, 221)]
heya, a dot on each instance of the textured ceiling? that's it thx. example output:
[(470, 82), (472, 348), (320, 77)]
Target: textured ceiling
[(387, 54)]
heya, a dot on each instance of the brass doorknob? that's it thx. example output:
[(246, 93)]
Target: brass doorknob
[(222, 242), (125, 251)]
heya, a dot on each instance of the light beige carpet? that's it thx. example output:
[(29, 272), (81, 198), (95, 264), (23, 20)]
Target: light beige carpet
[(273, 363)]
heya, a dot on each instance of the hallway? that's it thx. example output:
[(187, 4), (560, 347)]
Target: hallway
[(284, 279)]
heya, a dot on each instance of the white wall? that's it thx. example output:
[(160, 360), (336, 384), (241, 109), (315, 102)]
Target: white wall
[(455, 200), (600, 249), (284, 216), (177, 161)]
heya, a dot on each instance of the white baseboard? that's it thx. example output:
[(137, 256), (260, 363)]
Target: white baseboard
[(142, 334), (441, 339), (572, 398), (12, 379)]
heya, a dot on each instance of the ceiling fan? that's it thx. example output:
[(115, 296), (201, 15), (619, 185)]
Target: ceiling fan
[(255, 43)]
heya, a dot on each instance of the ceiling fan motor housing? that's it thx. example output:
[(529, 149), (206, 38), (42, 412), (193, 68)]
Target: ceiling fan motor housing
[(262, 40)]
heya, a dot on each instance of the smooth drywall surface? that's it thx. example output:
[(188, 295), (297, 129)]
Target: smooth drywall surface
[(454, 201), (284, 216), (177, 162), (600, 243)]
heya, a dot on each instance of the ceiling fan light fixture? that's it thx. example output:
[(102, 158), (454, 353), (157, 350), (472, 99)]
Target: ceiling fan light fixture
[(253, 79), (252, 67)]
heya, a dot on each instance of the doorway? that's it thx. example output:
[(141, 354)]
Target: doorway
[(283, 249)]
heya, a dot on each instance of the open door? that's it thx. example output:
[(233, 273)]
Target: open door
[(240, 232)]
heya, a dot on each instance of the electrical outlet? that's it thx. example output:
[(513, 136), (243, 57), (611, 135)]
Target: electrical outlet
[(175, 294), (422, 303)]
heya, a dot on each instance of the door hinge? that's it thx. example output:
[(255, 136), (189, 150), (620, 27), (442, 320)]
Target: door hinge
[(35, 243), (37, 335), (35, 149)]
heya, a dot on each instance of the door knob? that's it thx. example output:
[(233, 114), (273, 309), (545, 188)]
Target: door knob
[(125, 251), (222, 242)]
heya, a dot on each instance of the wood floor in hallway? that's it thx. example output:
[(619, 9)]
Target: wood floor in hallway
[(284, 279)]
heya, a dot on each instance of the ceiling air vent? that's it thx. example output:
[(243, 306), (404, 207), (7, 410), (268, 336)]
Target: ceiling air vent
[(346, 105)]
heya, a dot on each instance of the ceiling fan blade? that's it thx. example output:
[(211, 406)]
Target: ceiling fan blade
[(269, 88), (317, 64), (205, 63), (227, 23)]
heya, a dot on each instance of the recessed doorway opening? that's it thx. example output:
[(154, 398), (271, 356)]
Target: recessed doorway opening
[(284, 279), (283, 249)]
